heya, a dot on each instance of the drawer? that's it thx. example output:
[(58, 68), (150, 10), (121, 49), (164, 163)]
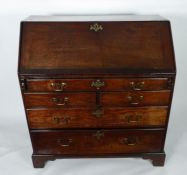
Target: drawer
[(144, 98), (60, 100), (63, 85), (92, 142), (97, 118)]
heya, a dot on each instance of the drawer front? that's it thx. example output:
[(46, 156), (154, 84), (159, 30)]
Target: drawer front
[(61, 85), (146, 98), (97, 142), (97, 118), (60, 100)]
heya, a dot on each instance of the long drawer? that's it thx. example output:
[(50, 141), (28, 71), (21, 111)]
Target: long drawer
[(97, 118), (118, 84), (90, 142)]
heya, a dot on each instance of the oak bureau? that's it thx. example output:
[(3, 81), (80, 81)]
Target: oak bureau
[(97, 86)]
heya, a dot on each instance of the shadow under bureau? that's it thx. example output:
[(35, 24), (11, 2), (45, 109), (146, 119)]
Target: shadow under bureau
[(97, 86)]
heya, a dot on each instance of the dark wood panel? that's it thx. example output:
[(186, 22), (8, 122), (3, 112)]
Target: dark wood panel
[(61, 85), (60, 100), (145, 98), (97, 141), (97, 118), (133, 46)]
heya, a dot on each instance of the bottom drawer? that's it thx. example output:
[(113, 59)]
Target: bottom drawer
[(93, 142)]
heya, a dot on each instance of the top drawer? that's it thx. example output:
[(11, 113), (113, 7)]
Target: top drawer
[(119, 84)]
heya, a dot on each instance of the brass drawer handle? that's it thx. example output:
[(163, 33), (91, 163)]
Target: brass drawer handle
[(64, 142), (137, 86), (98, 113), (130, 141), (98, 84), (99, 135), (133, 118), (60, 101), (59, 120), (96, 27), (58, 86), (135, 100)]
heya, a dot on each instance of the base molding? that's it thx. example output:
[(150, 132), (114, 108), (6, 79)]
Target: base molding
[(158, 159)]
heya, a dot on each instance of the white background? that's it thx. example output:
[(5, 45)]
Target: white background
[(15, 146)]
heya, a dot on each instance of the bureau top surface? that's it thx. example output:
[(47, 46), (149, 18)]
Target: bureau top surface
[(127, 17), (96, 45)]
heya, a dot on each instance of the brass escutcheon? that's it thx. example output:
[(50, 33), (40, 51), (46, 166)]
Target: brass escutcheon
[(96, 27), (99, 135), (98, 84), (98, 113)]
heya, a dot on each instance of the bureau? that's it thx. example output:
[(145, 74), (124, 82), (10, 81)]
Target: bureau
[(96, 86)]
